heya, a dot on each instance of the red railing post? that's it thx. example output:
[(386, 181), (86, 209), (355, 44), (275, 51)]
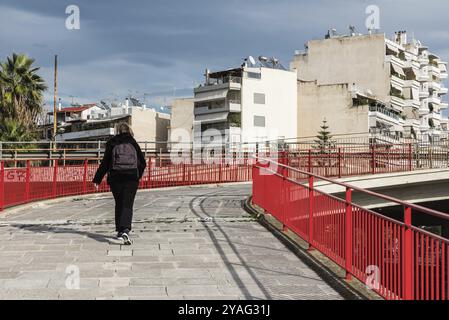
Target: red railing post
[(284, 197), (55, 178), (373, 160), (311, 204), (348, 233), (149, 173), (310, 161), (85, 177), (408, 255), (339, 162), (2, 185), (27, 181), (183, 172), (410, 157)]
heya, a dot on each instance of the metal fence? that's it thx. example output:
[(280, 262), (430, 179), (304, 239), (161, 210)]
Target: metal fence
[(397, 259), (29, 180)]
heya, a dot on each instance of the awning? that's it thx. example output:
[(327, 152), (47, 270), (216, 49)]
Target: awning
[(392, 47), (211, 95), (212, 117), (398, 70)]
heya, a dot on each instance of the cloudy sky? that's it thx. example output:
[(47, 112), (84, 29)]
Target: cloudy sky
[(159, 49)]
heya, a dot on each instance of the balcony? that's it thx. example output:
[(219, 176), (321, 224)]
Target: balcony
[(435, 85), (397, 82), (424, 108), (411, 84), (411, 103), (397, 103), (423, 92), (434, 71), (220, 134), (434, 131), (227, 83), (412, 123), (434, 99), (395, 60), (423, 59), (423, 75), (443, 75), (380, 113), (230, 106), (234, 106), (415, 65), (87, 134), (443, 90)]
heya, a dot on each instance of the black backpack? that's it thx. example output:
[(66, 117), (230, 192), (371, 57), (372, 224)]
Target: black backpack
[(124, 157)]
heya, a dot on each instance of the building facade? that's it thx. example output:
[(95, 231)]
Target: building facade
[(247, 104), (89, 124), (180, 132), (400, 79)]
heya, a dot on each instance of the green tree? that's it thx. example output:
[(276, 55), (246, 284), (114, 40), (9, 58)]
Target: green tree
[(21, 93), (14, 131), (324, 137)]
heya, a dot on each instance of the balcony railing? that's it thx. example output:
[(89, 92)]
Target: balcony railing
[(384, 111)]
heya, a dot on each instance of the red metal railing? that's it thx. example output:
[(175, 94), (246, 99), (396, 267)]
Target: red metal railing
[(397, 259), (354, 160), (23, 181)]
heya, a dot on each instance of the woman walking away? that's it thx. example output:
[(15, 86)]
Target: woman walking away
[(124, 163)]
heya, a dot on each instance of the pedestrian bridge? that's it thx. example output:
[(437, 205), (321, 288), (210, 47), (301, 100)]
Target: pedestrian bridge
[(189, 243), (396, 258)]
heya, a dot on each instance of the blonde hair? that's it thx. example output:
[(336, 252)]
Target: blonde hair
[(123, 127)]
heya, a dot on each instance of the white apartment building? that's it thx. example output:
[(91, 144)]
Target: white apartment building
[(403, 77), (251, 103), (90, 122)]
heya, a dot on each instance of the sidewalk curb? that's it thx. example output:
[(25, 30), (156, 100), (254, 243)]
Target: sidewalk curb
[(347, 290)]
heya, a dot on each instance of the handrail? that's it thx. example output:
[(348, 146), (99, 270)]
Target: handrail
[(346, 185)]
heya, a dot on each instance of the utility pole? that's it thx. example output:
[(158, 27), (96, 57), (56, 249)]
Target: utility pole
[(55, 109)]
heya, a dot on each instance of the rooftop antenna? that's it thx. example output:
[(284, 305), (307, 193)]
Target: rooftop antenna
[(252, 61), (352, 31)]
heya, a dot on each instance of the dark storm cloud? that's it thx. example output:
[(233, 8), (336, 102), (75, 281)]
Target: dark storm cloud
[(155, 46)]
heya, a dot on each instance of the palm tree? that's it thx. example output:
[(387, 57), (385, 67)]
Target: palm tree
[(14, 131), (21, 90)]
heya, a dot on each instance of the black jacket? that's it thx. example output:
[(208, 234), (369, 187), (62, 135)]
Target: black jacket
[(106, 163)]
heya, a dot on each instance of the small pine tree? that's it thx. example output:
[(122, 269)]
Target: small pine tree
[(324, 137)]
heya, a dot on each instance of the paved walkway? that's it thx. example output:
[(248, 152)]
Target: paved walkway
[(190, 243)]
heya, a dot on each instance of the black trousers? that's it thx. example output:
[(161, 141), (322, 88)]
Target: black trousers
[(124, 193)]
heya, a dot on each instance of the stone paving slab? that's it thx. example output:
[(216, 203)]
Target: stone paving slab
[(189, 243)]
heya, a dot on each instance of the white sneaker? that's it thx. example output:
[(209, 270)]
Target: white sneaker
[(126, 240)]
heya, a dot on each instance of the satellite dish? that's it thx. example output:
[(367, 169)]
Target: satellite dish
[(251, 60)]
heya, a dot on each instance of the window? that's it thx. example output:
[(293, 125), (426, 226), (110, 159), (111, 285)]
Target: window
[(259, 121), (259, 98), (253, 75)]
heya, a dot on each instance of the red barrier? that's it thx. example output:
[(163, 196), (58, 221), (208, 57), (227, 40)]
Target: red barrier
[(397, 259), (357, 160), (23, 181)]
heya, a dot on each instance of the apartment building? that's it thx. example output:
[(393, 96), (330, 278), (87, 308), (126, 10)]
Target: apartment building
[(86, 123), (180, 131), (254, 102), (400, 80)]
